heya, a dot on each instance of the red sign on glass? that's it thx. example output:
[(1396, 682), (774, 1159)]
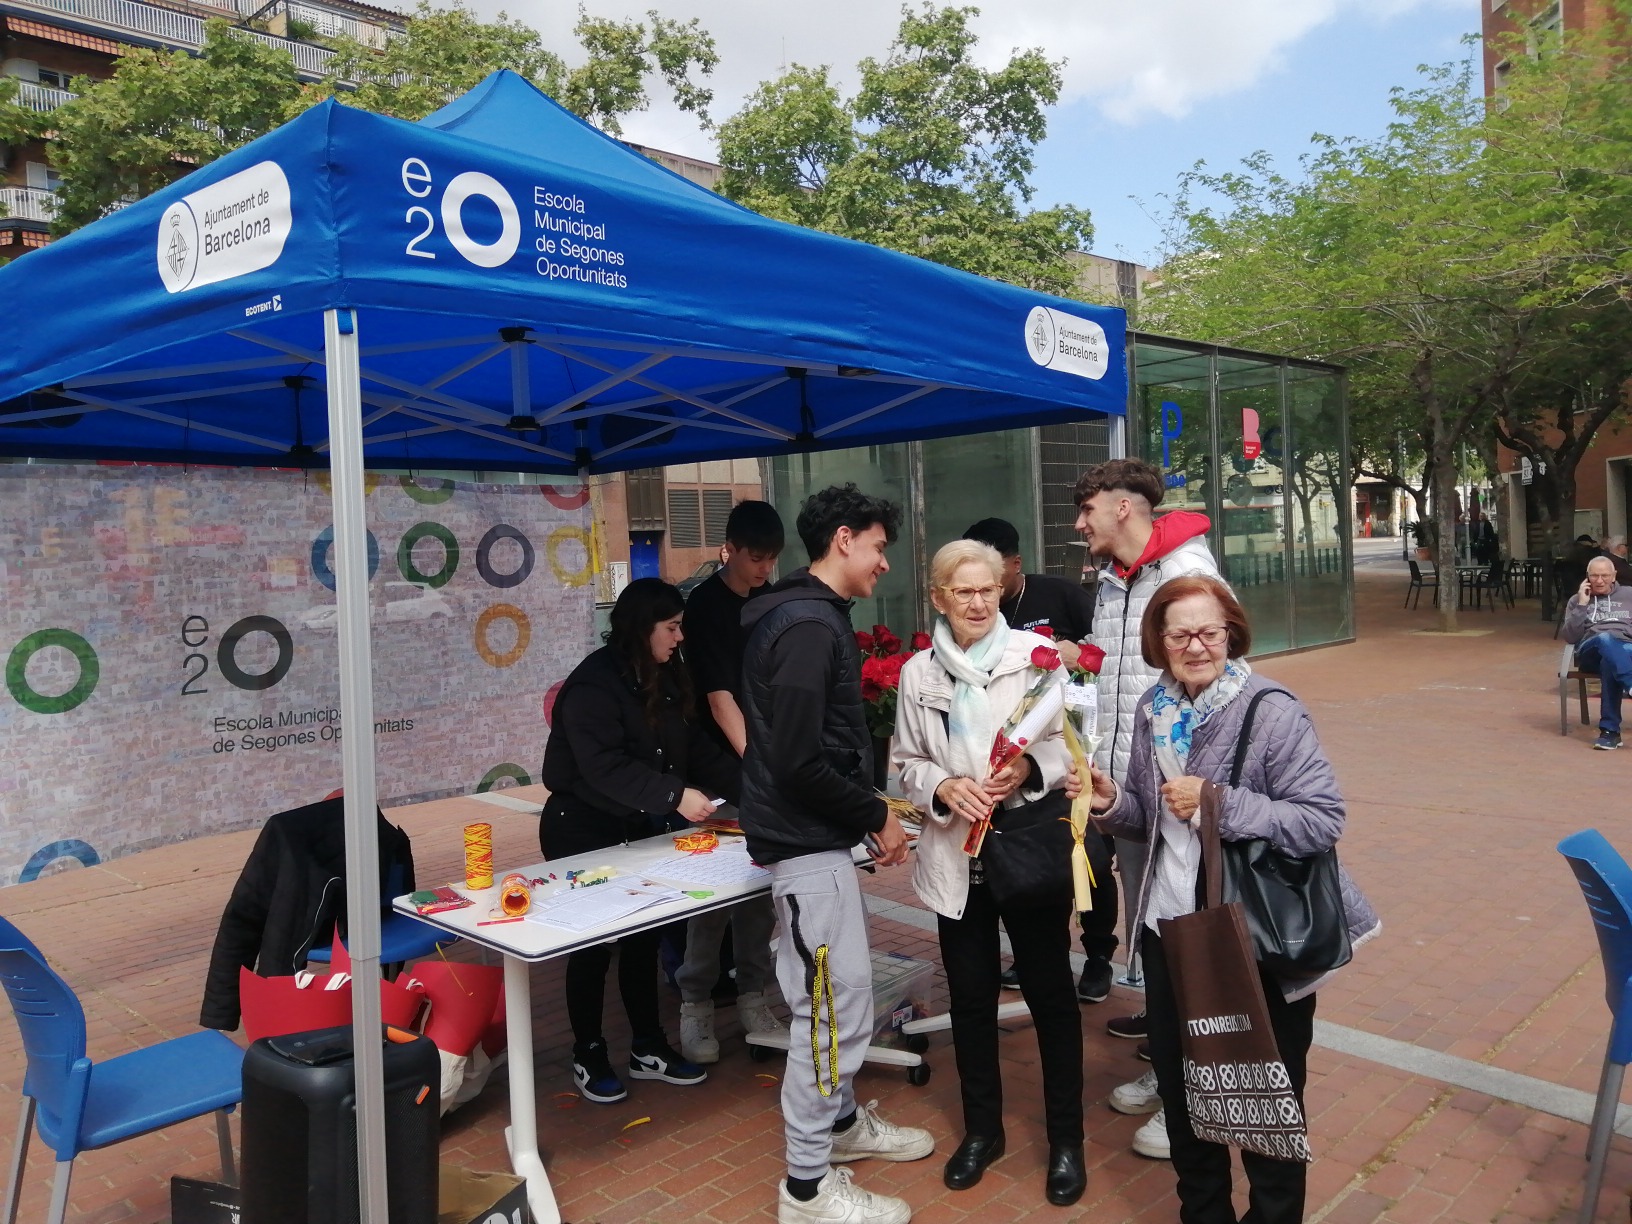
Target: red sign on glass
[(1251, 445)]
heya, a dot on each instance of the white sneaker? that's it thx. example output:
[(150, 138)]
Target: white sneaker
[(754, 1010), (839, 1201), (1139, 1097), (1151, 1138), (870, 1135), (697, 1043)]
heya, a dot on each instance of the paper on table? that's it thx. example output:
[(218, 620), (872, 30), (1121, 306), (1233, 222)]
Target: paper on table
[(720, 869), (584, 909)]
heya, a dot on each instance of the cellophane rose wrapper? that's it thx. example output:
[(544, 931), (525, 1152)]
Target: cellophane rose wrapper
[(1036, 715)]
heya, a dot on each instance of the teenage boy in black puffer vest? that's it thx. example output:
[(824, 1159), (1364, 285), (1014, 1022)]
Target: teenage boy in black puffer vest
[(807, 801)]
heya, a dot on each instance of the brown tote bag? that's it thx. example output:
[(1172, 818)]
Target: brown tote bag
[(1236, 1088)]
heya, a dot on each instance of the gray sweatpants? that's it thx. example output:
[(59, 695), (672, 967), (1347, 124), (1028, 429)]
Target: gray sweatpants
[(818, 901), (751, 923)]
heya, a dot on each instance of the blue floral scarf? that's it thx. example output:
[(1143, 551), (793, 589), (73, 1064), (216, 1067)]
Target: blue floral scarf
[(1175, 718)]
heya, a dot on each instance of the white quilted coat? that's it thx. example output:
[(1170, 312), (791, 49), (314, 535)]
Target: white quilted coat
[(1124, 677)]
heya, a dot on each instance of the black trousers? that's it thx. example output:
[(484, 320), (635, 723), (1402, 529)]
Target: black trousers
[(1098, 936), (562, 833), (1275, 1187), (1042, 956)]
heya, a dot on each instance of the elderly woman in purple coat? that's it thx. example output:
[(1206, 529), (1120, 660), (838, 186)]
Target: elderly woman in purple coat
[(1185, 733)]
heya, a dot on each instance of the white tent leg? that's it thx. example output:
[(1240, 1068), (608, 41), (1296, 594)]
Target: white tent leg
[(1119, 437), (357, 752)]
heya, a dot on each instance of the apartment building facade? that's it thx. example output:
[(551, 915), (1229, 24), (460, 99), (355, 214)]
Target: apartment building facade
[(45, 45)]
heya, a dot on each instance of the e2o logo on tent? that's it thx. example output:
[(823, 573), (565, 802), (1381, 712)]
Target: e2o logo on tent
[(418, 182)]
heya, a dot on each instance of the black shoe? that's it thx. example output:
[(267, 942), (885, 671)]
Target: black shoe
[(1009, 979), (1130, 1028), (971, 1159), (1143, 1050), (1607, 741), (1067, 1174), (1094, 986)]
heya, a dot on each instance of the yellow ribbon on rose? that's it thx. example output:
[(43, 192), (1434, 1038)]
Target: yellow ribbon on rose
[(1082, 871)]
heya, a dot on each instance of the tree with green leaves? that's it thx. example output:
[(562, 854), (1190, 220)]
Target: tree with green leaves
[(162, 114), (1446, 263), (933, 155), (448, 51)]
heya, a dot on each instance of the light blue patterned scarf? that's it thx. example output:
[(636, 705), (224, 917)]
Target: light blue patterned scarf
[(1175, 718), (971, 725)]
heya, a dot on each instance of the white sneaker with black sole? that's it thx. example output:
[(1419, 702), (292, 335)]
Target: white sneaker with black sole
[(870, 1136), (1150, 1140), (655, 1061), (840, 1201), (1139, 1097)]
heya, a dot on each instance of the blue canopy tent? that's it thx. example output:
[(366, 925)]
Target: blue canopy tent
[(534, 296)]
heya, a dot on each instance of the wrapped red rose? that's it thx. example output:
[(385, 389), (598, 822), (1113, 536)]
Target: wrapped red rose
[(1045, 658), (921, 641), (1044, 631), (864, 641), (1090, 660)]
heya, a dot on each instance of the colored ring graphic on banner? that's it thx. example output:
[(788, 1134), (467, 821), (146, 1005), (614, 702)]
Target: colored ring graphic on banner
[(320, 556), (524, 634), (405, 554), (574, 500), (90, 670), (424, 496), (552, 550), (226, 653), (506, 770), (46, 855), (484, 557)]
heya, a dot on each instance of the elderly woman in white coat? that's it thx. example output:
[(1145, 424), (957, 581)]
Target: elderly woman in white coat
[(953, 701)]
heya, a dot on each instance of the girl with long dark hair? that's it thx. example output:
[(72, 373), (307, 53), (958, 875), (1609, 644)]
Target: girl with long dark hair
[(625, 761)]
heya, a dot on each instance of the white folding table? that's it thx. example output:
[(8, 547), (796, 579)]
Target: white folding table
[(523, 944)]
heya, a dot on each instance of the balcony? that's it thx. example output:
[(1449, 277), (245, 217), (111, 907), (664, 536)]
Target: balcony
[(41, 98), (148, 24), (27, 204)]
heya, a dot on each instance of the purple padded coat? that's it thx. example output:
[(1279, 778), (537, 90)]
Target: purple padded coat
[(1288, 794)]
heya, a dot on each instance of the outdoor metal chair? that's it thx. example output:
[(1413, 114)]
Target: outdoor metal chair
[(1417, 584), (1606, 882), (1568, 671), (80, 1105), (1497, 582)]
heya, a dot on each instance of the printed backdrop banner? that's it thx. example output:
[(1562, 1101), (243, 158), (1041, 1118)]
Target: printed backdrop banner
[(171, 648)]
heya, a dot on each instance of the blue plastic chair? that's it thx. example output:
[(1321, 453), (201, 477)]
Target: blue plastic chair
[(402, 939), (1606, 881), (80, 1105)]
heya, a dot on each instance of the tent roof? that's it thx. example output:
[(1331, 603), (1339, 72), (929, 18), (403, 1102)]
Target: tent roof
[(529, 294)]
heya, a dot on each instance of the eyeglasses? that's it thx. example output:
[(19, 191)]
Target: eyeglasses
[(964, 596), (1180, 639)]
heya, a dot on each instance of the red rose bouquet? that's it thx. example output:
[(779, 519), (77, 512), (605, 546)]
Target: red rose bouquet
[(883, 657)]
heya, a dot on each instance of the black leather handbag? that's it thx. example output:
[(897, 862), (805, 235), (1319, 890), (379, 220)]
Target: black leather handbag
[(1294, 906), (1026, 856)]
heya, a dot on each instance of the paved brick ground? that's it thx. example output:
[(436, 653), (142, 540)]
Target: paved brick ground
[(1459, 786)]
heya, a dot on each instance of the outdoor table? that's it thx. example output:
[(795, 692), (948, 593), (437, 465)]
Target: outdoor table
[(526, 943)]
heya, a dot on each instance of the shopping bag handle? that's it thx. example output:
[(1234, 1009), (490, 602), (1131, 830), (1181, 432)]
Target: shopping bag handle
[(1212, 851)]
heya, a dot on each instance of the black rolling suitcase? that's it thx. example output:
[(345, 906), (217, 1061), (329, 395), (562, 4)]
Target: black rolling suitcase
[(300, 1129)]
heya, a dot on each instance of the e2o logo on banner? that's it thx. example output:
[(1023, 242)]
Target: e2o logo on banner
[(230, 228), (418, 182)]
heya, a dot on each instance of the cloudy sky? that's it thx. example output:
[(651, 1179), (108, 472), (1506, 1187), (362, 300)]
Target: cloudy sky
[(1150, 86)]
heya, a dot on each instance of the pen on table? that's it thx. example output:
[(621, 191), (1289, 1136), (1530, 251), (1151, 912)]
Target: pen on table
[(497, 921)]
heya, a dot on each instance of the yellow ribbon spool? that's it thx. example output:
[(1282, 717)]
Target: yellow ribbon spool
[(478, 856), (515, 895)]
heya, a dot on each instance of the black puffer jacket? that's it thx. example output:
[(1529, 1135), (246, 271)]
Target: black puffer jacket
[(605, 760), (288, 898), (807, 776)]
